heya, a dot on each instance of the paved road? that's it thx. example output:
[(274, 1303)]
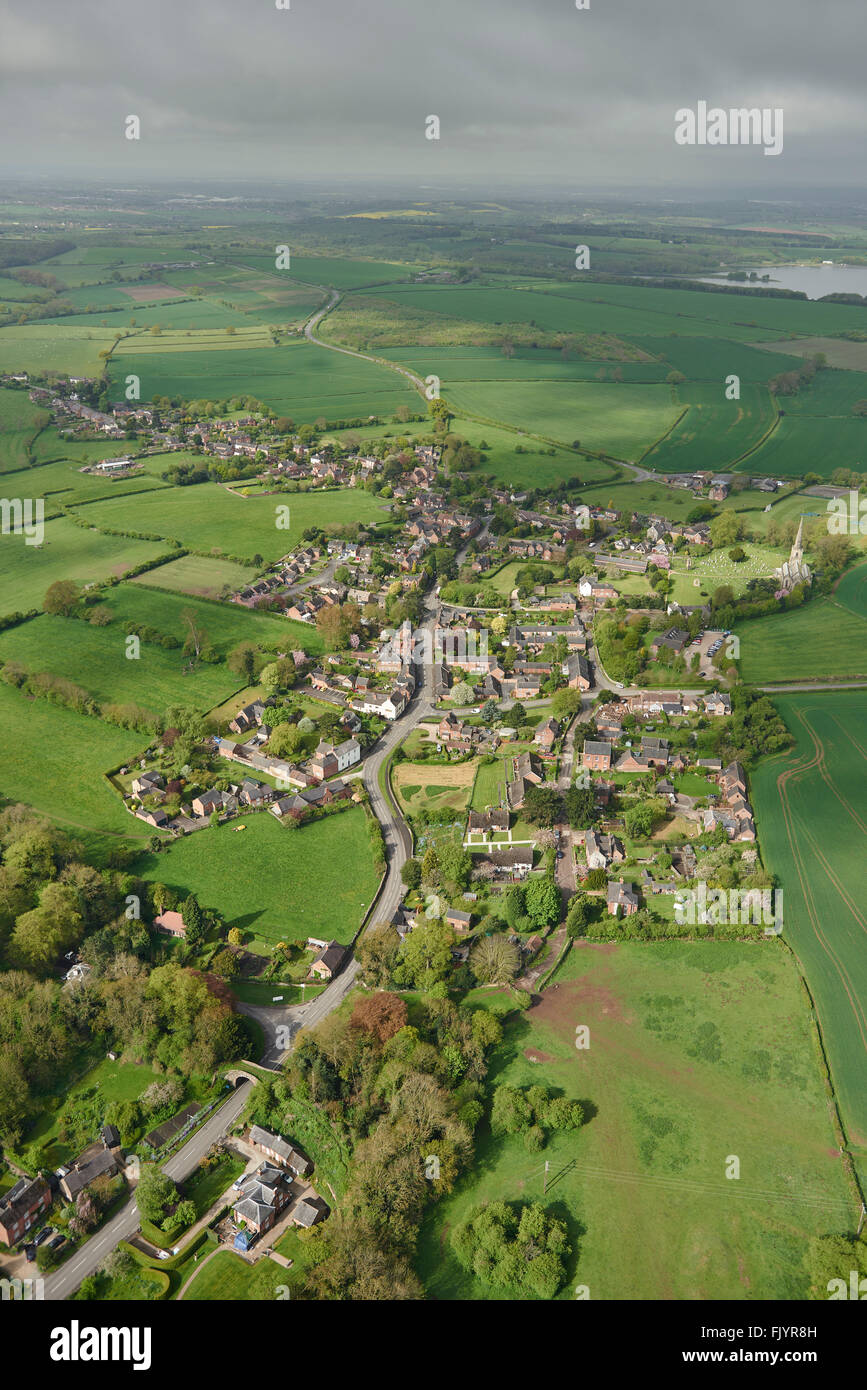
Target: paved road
[(313, 323), (66, 1280)]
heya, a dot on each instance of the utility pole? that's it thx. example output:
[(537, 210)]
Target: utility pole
[(545, 1180), (861, 1219)]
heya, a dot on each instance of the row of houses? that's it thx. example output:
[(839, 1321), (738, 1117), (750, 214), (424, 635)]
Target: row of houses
[(736, 813)]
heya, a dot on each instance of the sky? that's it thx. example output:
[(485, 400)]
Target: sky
[(529, 93)]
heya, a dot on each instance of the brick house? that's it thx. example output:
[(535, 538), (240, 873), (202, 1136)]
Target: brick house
[(596, 756), (172, 923), (547, 734), (622, 898), (279, 1150), (21, 1206), (261, 1196)]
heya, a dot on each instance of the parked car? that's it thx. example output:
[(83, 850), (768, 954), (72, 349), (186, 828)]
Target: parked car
[(56, 1242), (43, 1235), (30, 1253)]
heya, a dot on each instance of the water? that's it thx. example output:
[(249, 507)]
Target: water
[(812, 280)]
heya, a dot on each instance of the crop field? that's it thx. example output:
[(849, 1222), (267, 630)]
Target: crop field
[(210, 516), (181, 314), (811, 808), (198, 575), (697, 1052), (95, 658), (534, 466), (826, 637), (67, 552), (422, 788), (714, 432), (299, 380), (713, 359), (276, 884), (810, 444), (620, 420), (457, 364), (225, 624), (54, 759), (340, 272)]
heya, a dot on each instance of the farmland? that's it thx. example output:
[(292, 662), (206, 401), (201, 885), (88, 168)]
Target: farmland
[(225, 624), (697, 1052), (199, 575), (827, 637), (67, 552), (20, 421), (714, 432), (210, 517), (94, 657), (54, 760), (799, 797), (276, 884)]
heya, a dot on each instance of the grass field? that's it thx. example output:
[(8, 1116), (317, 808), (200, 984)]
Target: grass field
[(826, 637), (298, 379), (19, 421), (210, 517), (95, 658), (697, 1052), (226, 1276), (50, 347), (716, 568), (115, 1081), (225, 624), (62, 482), (67, 552), (273, 883), (198, 575), (800, 445), (54, 759), (621, 420), (811, 810)]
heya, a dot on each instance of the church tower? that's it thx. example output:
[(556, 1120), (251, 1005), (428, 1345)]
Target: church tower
[(796, 558)]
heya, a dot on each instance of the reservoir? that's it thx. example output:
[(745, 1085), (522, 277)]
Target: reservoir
[(812, 280)]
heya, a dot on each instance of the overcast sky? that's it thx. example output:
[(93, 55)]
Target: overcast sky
[(528, 94)]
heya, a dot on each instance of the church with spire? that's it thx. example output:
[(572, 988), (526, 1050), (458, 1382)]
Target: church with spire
[(795, 570)]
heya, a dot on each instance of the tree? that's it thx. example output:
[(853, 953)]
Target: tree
[(463, 693), (566, 702), (511, 1112), (285, 740), (377, 954), (576, 916), (61, 597), (194, 921), (381, 1015), (411, 873), (543, 806), (638, 822), (242, 660), (196, 638), (579, 805), (155, 1193), (489, 712), (425, 956), (495, 960), (543, 901)]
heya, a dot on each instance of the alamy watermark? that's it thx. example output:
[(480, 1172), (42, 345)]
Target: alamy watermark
[(847, 516), (23, 517), (738, 126)]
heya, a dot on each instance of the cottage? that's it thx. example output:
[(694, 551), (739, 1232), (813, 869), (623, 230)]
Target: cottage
[(171, 923), (547, 734), (279, 1150), (622, 898), (87, 1167), (328, 962), (261, 1196)]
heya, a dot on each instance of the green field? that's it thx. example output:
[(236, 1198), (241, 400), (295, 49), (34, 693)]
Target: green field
[(273, 883), (299, 380), (697, 1052), (225, 624), (228, 1277), (210, 517), (621, 420), (62, 483), (826, 637), (714, 432), (19, 421), (67, 552), (810, 444), (198, 575), (95, 658), (115, 1081), (716, 568), (55, 760), (810, 808), (43, 347)]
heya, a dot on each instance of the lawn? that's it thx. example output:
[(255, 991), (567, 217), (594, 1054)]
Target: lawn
[(716, 568), (274, 883), (697, 1052), (211, 517), (67, 552), (228, 1278), (810, 809)]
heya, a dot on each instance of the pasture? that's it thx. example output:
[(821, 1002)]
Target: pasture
[(50, 347), (67, 552), (810, 809), (225, 624), (827, 637), (20, 422), (697, 1052), (804, 443), (210, 517), (95, 658), (274, 883), (54, 760), (199, 575)]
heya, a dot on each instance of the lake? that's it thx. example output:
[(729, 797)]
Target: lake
[(812, 280)]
